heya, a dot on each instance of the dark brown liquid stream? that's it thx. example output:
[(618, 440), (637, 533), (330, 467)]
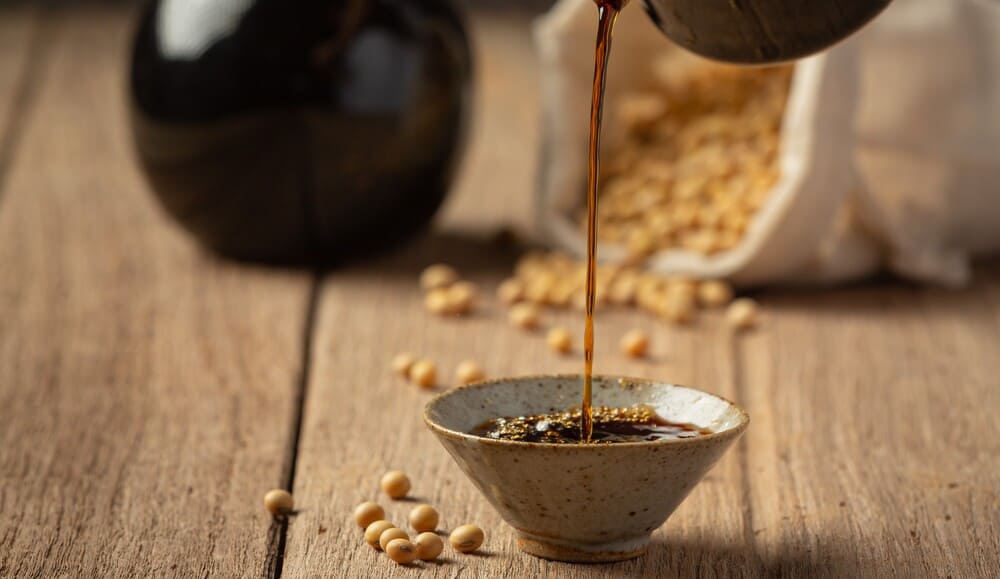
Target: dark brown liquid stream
[(584, 425), (608, 11), (610, 425)]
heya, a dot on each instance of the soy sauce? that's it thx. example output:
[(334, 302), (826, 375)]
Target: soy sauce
[(610, 425), (608, 11)]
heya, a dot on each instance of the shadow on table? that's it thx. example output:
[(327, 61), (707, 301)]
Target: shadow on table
[(827, 557), (885, 295), (490, 250), (492, 254)]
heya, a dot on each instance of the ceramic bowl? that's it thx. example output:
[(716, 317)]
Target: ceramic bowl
[(575, 502)]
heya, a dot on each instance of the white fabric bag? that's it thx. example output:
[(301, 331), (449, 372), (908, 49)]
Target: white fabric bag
[(890, 146)]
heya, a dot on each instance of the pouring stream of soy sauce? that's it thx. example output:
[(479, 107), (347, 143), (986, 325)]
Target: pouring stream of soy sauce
[(608, 11)]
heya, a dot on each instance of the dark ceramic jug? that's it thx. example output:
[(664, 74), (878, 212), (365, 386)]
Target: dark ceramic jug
[(300, 131), (760, 31)]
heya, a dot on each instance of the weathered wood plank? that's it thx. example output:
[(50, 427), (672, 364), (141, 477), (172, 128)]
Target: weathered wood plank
[(147, 391), (360, 420), (20, 29), (875, 448)]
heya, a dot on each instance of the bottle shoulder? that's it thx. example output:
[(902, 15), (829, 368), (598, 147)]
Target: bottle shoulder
[(202, 61)]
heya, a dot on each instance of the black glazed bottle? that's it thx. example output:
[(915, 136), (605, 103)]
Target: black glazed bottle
[(314, 130)]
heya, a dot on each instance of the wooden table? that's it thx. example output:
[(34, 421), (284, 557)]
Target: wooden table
[(150, 393)]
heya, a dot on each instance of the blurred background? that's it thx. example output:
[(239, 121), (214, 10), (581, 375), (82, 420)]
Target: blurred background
[(286, 135), (215, 217)]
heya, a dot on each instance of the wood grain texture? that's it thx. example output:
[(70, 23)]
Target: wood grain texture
[(360, 420), (147, 391), (19, 25), (20, 53), (875, 449), (859, 461)]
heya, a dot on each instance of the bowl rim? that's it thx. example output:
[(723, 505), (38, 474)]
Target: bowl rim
[(733, 431)]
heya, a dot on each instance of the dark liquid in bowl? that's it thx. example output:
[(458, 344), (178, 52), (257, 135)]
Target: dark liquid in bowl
[(611, 425)]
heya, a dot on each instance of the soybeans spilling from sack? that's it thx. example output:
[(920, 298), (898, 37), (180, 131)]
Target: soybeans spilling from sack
[(699, 157)]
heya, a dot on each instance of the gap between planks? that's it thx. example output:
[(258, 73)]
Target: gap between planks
[(277, 533)]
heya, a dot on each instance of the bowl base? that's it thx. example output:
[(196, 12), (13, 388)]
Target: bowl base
[(571, 552)]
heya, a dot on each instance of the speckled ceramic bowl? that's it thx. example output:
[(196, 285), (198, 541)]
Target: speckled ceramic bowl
[(584, 503)]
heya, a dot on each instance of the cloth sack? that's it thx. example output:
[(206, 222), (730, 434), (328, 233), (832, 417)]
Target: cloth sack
[(889, 158)]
